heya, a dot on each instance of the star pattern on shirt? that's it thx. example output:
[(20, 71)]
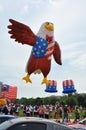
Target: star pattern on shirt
[(39, 49)]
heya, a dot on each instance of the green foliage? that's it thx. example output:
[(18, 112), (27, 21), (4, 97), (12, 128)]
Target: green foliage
[(81, 100)]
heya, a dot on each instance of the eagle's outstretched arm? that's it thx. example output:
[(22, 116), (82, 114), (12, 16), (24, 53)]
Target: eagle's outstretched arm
[(57, 53), (21, 33)]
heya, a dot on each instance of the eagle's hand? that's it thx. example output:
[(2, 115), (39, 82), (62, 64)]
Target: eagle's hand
[(21, 33), (57, 53)]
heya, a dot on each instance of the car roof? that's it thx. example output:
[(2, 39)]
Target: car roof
[(29, 119)]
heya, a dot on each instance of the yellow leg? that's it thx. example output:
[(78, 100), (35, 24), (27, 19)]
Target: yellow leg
[(45, 81), (27, 78)]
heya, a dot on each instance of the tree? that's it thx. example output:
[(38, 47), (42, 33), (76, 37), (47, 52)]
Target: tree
[(72, 101), (81, 100)]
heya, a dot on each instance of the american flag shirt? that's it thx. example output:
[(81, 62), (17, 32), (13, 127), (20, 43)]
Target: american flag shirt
[(42, 48), (39, 49)]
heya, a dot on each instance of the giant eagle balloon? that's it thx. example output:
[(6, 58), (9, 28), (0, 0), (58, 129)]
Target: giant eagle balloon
[(43, 47)]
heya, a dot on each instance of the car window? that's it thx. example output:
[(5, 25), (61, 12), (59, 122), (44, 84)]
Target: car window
[(28, 126)]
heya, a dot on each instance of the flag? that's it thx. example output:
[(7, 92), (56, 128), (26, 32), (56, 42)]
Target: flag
[(11, 94)]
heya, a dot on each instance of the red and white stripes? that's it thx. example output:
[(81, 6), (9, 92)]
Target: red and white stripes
[(49, 51), (11, 94), (52, 83), (50, 47), (67, 83)]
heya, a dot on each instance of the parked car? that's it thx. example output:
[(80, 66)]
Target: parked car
[(83, 121), (80, 125), (32, 123), (6, 117)]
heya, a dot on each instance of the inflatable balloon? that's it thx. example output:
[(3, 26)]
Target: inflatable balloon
[(0, 86), (5, 88), (1, 95), (68, 86), (8, 101), (43, 47), (51, 87), (11, 94), (3, 102)]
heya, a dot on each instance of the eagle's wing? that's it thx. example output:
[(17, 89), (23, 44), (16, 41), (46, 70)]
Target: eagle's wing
[(21, 33), (57, 53)]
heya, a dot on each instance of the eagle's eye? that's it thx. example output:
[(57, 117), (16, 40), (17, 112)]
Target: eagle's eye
[(47, 23)]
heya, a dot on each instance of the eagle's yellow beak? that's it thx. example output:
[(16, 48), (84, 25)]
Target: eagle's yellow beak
[(49, 26)]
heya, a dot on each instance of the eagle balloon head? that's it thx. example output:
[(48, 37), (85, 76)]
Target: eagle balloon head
[(47, 28)]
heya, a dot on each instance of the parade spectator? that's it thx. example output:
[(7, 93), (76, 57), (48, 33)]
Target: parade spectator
[(77, 116), (35, 110), (17, 110), (60, 111), (65, 111), (51, 109), (5, 110), (24, 109), (57, 113), (41, 111), (47, 111), (11, 110), (27, 110), (31, 110)]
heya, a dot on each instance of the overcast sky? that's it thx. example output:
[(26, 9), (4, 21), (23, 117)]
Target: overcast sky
[(69, 18)]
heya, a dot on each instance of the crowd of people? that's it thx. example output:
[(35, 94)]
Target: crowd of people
[(58, 112)]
